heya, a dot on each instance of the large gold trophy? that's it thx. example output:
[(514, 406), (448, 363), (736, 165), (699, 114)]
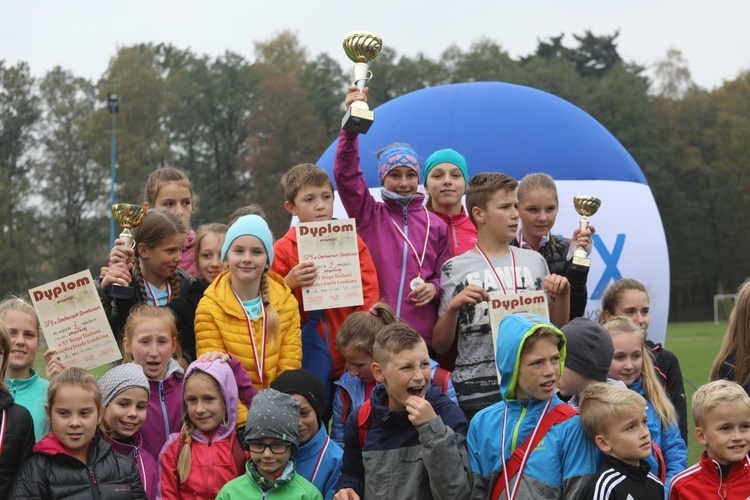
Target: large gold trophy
[(361, 47), (586, 206), (127, 216)]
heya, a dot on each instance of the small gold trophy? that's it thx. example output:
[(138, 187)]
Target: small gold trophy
[(361, 47), (586, 206), (127, 216)]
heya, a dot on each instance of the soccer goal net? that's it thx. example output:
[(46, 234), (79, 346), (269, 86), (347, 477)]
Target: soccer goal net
[(723, 304)]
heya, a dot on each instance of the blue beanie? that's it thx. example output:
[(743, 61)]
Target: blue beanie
[(446, 156), (249, 225)]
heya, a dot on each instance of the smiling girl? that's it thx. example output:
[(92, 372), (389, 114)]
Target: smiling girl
[(208, 242)]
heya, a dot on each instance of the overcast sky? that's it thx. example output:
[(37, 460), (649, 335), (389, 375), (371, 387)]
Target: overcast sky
[(82, 35)]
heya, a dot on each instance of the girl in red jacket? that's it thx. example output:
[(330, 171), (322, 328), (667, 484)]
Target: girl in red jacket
[(206, 454)]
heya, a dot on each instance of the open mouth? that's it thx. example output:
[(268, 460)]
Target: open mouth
[(548, 386), (415, 391), (128, 426)]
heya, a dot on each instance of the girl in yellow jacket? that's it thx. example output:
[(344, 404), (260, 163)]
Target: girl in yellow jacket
[(249, 312)]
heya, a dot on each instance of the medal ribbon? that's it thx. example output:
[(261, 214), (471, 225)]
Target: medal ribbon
[(420, 260), (320, 459), (511, 494), (494, 271), (153, 295), (260, 363)]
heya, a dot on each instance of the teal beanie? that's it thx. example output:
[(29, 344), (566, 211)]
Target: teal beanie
[(249, 225), (446, 156)]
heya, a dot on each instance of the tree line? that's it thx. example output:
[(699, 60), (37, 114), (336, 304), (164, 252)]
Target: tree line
[(235, 125)]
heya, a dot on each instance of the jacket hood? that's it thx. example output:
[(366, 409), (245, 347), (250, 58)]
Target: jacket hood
[(513, 332), (222, 373)]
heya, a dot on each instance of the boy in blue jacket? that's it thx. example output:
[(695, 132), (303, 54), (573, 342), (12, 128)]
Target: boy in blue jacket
[(554, 459), (408, 440)]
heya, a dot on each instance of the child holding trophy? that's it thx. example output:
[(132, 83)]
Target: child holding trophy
[(409, 278)]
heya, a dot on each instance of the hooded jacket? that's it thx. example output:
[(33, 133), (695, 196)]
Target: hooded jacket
[(320, 457), (51, 473), (221, 325), (163, 416), (212, 462), (148, 469), (188, 255), (17, 439), (31, 393), (703, 481), (462, 232), (401, 461), (561, 464), (286, 257), (394, 261)]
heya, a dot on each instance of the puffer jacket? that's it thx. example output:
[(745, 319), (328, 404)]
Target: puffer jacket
[(221, 325), (17, 440), (286, 257), (212, 463), (148, 469), (163, 416), (51, 473), (463, 232), (560, 465), (394, 260)]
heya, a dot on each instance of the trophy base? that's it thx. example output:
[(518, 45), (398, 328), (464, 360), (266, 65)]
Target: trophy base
[(122, 292), (357, 120), (580, 264)]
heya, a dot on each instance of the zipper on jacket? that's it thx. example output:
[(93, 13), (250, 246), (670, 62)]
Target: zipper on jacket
[(724, 490), (163, 408), (13, 388), (403, 264), (92, 480), (514, 441)]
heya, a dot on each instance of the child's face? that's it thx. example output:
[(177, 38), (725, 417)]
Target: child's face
[(247, 259), (312, 203), (627, 362), (725, 433), (446, 185), (359, 363), (24, 339), (126, 412), (176, 198), (628, 437), (405, 375), (634, 305), (572, 382), (538, 211), (151, 347), (162, 260), (401, 180), (270, 464), (204, 402), (209, 259), (500, 217), (539, 369), (308, 419), (74, 417)]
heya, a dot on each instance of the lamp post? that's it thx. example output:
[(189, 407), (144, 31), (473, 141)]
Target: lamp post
[(113, 102)]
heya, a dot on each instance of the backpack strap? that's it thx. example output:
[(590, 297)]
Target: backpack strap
[(364, 417), (558, 414), (441, 378), (346, 404), (240, 459), (661, 465)]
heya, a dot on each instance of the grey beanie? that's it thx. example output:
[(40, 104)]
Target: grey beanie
[(121, 378), (275, 415), (589, 348)]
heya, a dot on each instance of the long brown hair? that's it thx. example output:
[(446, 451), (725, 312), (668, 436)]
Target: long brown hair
[(736, 343), (163, 176), (613, 294), (147, 312), (358, 331)]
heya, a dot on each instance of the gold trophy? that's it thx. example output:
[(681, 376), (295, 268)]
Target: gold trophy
[(127, 216), (361, 47), (586, 206)]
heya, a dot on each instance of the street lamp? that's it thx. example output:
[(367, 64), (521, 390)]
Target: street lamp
[(113, 102)]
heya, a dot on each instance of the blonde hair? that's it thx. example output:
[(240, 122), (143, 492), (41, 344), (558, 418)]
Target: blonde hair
[(184, 460), (718, 393), (652, 388), (358, 331), (146, 312), (163, 176), (602, 403), (77, 377), (5, 346), (19, 304), (736, 343), (536, 181), (272, 316)]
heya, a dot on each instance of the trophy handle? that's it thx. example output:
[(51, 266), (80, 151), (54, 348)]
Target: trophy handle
[(362, 75), (127, 239)]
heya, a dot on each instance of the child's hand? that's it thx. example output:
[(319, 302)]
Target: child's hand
[(120, 253), (207, 357), (420, 410), (555, 285), (423, 294), (303, 274), (355, 95), (346, 494), (54, 365), (118, 273), (582, 238), (469, 296)]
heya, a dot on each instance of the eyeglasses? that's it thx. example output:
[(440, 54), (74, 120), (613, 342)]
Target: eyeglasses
[(276, 448)]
